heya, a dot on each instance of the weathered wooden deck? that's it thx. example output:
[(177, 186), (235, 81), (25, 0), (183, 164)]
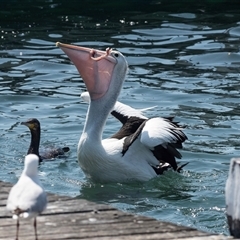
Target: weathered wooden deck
[(69, 218)]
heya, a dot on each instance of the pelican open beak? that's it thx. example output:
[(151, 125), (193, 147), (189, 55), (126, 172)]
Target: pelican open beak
[(95, 67)]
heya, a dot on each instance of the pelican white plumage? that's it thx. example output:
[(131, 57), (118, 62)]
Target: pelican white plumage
[(132, 119), (27, 198), (133, 157), (121, 109)]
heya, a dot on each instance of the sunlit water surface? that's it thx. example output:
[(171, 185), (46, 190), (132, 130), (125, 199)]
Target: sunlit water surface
[(184, 64)]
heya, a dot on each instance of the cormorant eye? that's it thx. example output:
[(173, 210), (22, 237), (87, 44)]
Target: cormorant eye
[(116, 54)]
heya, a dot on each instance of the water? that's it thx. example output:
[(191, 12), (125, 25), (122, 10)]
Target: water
[(185, 61)]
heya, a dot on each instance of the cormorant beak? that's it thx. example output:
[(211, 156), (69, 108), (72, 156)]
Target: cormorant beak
[(29, 125), (24, 123)]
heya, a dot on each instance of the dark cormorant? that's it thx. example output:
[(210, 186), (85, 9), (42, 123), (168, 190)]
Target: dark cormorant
[(34, 126)]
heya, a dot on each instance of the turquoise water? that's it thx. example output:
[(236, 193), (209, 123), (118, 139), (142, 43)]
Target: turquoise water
[(186, 63)]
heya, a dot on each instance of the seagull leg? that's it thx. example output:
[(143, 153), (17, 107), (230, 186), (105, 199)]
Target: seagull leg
[(17, 229), (35, 227)]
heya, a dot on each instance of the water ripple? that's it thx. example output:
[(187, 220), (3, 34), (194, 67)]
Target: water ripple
[(185, 64)]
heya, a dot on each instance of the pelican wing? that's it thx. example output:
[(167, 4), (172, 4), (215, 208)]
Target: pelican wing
[(161, 131), (127, 111)]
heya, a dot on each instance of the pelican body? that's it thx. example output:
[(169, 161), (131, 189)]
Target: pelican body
[(135, 157)]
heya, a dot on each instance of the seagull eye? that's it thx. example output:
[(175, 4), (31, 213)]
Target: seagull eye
[(116, 54)]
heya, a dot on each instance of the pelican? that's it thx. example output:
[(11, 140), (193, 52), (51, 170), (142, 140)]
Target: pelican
[(135, 157)]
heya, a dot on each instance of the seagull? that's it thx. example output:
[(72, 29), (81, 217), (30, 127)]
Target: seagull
[(27, 197)]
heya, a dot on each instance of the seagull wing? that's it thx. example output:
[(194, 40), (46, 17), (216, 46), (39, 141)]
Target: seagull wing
[(27, 195)]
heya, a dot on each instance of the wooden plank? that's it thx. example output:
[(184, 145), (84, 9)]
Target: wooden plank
[(69, 218)]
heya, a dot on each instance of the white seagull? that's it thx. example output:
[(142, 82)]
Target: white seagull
[(137, 156), (27, 198)]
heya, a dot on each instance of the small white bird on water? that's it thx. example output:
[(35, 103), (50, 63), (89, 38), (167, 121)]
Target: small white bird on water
[(27, 197)]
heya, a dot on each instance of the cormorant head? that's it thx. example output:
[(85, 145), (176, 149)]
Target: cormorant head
[(33, 124)]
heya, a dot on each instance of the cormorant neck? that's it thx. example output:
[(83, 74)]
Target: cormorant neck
[(35, 141)]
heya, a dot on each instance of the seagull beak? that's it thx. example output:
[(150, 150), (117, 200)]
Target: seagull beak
[(95, 67)]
